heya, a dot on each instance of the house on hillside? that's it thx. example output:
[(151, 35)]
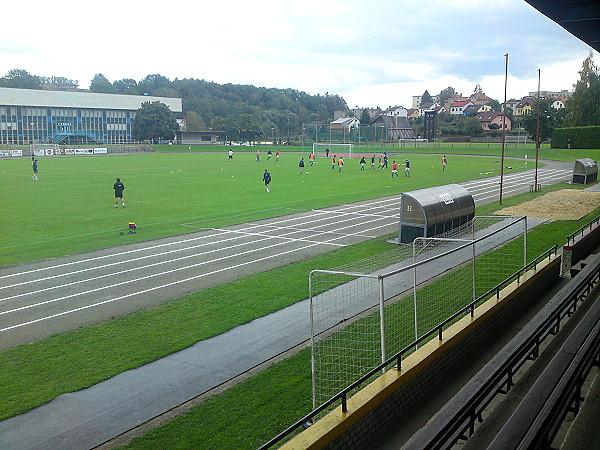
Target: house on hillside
[(559, 103), (344, 124), (524, 106), (456, 98), (431, 106), (397, 126), (471, 110), (493, 120), (480, 99), (458, 108), (412, 113)]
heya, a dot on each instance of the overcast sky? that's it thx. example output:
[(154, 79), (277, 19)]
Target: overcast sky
[(377, 53)]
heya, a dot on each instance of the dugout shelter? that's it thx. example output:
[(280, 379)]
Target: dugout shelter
[(433, 211), (585, 171)]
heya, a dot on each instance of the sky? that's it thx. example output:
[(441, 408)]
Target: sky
[(373, 54)]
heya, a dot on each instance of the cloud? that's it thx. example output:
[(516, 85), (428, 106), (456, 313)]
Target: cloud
[(377, 53)]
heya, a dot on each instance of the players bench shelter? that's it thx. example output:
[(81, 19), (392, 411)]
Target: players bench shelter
[(30, 116), (433, 211), (585, 171)]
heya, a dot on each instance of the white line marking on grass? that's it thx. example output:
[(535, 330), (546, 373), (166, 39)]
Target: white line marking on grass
[(158, 287)]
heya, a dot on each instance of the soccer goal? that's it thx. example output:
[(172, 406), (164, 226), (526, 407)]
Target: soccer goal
[(343, 150), (44, 149)]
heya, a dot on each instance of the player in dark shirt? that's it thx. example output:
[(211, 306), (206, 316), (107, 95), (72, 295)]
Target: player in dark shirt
[(119, 188), (267, 180), (35, 170)]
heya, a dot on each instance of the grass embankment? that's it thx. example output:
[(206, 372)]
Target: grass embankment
[(243, 416)]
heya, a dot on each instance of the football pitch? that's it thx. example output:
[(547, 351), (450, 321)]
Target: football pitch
[(71, 208)]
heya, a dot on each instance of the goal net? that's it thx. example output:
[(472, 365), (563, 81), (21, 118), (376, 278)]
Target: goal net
[(44, 149), (343, 150)]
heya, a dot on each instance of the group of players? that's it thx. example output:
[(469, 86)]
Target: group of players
[(339, 162)]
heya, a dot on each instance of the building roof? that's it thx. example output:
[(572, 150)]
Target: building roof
[(488, 116), (460, 104), (87, 100)]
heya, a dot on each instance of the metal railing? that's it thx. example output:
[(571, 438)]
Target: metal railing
[(396, 360), (581, 231)]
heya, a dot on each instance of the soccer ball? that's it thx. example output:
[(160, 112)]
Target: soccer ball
[(306, 173)]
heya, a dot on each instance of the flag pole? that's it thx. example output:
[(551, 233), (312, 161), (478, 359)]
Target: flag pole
[(537, 138), (503, 126)]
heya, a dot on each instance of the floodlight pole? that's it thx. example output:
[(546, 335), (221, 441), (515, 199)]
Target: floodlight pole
[(503, 126), (537, 138)]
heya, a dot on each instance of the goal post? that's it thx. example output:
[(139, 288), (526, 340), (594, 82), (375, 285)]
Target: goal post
[(343, 150)]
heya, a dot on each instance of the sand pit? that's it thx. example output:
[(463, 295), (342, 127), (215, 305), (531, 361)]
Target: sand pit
[(565, 204)]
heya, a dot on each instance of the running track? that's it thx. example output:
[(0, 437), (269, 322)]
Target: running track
[(43, 298)]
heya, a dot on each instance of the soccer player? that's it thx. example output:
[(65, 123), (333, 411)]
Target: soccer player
[(327, 153), (372, 162), (257, 155), (267, 180), (311, 158), (395, 170), (444, 162), (301, 165), (407, 168), (362, 163), (380, 163), (269, 153), (277, 155), (385, 160), (340, 164), (333, 162), (35, 170), (119, 188), (230, 154)]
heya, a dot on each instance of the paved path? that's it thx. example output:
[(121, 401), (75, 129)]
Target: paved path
[(90, 417)]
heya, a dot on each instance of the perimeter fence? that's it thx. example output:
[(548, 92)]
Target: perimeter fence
[(363, 312)]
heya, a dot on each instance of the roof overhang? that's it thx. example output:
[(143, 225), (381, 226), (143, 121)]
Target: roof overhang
[(581, 18)]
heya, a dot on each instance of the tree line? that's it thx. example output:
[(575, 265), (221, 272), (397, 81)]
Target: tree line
[(230, 108)]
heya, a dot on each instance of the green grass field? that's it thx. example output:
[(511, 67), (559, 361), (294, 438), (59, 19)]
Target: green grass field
[(459, 148), (71, 208)]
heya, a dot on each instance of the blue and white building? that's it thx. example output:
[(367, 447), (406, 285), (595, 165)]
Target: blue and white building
[(29, 116)]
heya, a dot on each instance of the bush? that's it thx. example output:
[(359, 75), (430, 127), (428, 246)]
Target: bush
[(580, 137)]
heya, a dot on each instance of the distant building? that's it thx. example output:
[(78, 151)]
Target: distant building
[(199, 137), (471, 110), (30, 116), (552, 94), (494, 120), (344, 124), (458, 108), (559, 103), (396, 125), (480, 99), (524, 106), (430, 106)]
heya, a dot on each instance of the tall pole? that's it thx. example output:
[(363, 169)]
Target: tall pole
[(503, 126), (537, 137)]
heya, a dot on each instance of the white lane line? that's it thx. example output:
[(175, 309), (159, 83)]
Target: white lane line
[(158, 274), (158, 287)]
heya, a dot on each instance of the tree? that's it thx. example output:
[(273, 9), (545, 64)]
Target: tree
[(20, 79), (101, 85), (365, 118), (477, 89), (154, 120), (426, 97), (583, 109), (193, 122), (126, 86), (549, 119), (495, 105), (445, 94)]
